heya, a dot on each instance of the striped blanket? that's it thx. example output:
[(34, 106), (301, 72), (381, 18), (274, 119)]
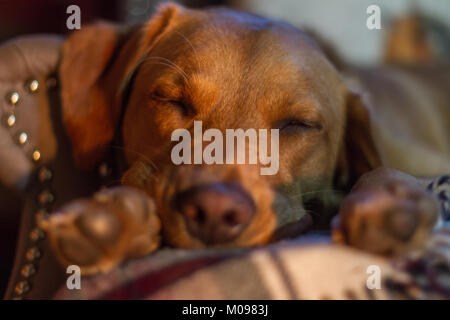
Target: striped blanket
[(307, 268)]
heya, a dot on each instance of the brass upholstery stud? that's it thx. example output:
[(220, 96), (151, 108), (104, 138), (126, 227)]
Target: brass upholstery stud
[(21, 287), (45, 197), (44, 174), (28, 270), (13, 98), (10, 120), (22, 138), (32, 254), (36, 234), (36, 155), (32, 86), (41, 214)]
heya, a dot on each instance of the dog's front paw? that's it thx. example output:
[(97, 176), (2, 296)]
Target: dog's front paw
[(99, 233), (390, 218)]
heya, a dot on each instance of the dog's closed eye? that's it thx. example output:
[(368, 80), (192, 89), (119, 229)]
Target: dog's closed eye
[(171, 101), (292, 125)]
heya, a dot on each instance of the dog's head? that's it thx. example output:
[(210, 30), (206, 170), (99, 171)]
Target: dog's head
[(229, 70)]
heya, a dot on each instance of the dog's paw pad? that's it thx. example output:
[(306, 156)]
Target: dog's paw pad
[(83, 233), (389, 219), (78, 250), (100, 226), (99, 233)]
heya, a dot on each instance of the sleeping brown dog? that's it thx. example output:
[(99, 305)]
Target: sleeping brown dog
[(235, 70)]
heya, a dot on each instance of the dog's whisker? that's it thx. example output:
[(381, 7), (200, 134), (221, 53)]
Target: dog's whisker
[(191, 45), (165, 60), (169, 63), (182, 73)]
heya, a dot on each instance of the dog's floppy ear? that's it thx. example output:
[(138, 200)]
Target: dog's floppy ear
[(96, 60), (358, 153), (88, 113)]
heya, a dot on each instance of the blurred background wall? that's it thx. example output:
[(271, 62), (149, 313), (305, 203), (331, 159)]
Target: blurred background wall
[(341, 22)]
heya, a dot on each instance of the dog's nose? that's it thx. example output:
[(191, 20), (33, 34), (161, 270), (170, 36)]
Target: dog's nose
[(215, 213)]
